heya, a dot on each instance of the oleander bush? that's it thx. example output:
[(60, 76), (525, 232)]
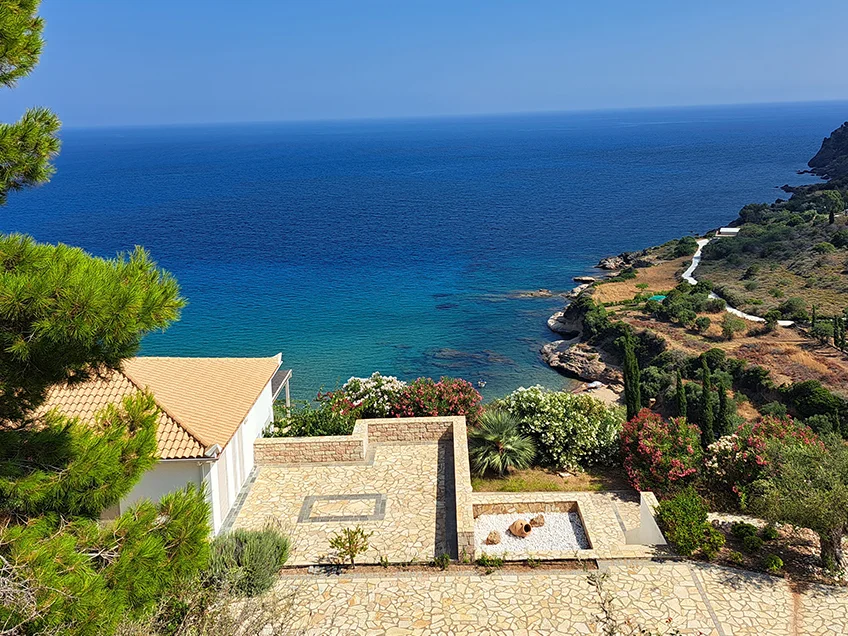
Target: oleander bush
[(734, 462), (374, 396), (336, 412), (660, 454), (449, 396), (570, 430), (497, 444), (248, 561)]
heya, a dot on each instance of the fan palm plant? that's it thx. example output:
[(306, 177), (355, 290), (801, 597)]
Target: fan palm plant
[(496, 445)]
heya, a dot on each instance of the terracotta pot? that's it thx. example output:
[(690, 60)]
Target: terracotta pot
[(520, 528)]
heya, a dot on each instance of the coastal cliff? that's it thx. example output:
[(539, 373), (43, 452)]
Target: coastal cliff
[(831, 161)]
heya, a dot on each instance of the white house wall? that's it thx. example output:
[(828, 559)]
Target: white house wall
[(235, 462), (223, 477), (167, 476)]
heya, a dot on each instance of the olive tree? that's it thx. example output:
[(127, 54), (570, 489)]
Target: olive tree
[(807, 486)]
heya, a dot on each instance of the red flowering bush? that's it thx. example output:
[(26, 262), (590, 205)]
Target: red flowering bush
[(659, 454), (448, 396), (736, 461)]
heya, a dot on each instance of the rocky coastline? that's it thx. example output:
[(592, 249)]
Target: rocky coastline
[(570, 355)]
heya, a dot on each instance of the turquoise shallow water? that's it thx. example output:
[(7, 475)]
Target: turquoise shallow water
[(396, 245)]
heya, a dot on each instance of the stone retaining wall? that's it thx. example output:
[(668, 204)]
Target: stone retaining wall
[(463, 494), (354, 447), (535, 507), (410, 429), (313, 450)]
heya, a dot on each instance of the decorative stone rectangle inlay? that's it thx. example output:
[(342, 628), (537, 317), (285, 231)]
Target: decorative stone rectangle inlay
[(326, 508)]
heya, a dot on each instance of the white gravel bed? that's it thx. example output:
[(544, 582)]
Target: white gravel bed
[(562, 532)]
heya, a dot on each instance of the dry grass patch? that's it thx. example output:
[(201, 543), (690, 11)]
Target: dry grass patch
[(661, 277), (786, 353), (541, 480)]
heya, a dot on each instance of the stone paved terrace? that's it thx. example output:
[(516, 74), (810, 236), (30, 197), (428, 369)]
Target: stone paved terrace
[(700, 599), (398, 478), (400, 492)]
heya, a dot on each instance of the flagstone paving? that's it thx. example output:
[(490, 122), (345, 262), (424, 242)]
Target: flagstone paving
[(400, 495), (693, 598)]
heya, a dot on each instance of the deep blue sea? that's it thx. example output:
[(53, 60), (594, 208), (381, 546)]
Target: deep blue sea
[(397, 245)]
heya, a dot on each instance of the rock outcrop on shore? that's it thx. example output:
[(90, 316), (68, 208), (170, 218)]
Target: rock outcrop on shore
[(626, 259), (567, 323), (831, 161), (577, 359)]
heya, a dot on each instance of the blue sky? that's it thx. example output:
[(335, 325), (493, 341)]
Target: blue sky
[(113, 62)]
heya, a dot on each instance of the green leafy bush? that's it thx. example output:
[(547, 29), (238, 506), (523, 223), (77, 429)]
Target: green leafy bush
[(736, 557), (442, 562), (752, 543), (794, 309), (247, 561), (702, 323), (683, 519), (569, 430), (306, 420), (769, 533), (686, 246), (712, 543), (497, 445), (740, 529), (772, 563), (349, 543)]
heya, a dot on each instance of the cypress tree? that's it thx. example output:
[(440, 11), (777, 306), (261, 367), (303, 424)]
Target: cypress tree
[(814, 317), (632, 382), (723, 423), (681, 396), (707, 417)]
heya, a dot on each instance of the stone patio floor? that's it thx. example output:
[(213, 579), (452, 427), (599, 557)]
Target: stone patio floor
[(698, 598), (401, 492)]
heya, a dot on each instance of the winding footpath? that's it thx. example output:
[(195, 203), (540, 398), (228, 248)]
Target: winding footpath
[(689, 278)]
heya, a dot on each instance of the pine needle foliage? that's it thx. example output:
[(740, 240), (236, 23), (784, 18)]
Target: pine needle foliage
[(497, 445), (83, 578), (66, 315), (28, 145), (74, 469)]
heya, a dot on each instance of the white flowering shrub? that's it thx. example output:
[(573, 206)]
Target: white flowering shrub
[(570, 430), (372, 397)]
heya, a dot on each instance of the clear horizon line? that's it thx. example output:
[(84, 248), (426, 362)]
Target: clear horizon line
[(470, 115)]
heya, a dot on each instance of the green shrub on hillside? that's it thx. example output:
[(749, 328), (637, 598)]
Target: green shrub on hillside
[(248, 561), (683, 520), (569, 430)]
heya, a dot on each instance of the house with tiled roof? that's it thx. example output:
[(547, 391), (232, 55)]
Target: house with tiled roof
[(211, 411)]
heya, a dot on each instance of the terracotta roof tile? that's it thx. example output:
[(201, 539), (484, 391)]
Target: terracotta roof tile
[(203, 401)]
